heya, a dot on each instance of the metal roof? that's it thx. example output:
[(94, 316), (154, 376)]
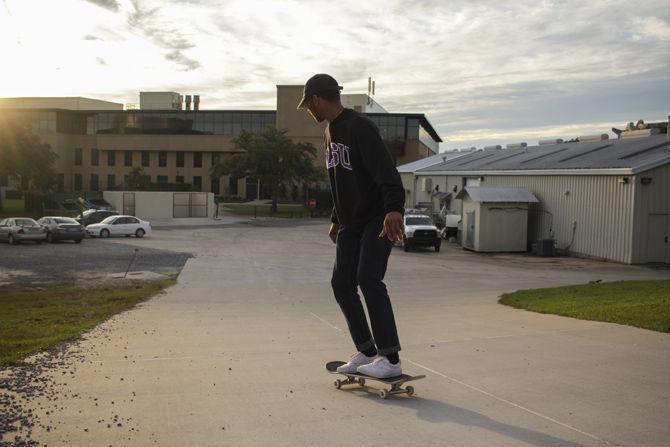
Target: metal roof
[(497, 194), (607, 156), (429, 161)]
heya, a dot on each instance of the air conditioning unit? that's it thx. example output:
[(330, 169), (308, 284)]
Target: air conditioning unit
[(427, 184)]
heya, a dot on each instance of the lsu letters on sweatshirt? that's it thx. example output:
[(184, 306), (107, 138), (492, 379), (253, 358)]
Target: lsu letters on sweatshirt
[(363, 179)]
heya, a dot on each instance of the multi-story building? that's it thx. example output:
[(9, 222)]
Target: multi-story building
[(98, 142)]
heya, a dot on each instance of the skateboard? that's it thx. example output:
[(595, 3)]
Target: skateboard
[(360, 379)]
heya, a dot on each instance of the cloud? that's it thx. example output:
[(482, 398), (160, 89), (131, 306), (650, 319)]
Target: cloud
[(148, 21), (112, 5), (474, 68), (179, 58)]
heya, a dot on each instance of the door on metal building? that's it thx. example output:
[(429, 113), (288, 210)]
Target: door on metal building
[(129, 203), (470, 230), (658, 238)]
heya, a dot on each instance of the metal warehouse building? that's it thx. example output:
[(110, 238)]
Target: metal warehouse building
[(606, 199)]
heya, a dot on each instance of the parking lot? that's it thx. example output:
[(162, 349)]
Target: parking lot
[(89, 261), (234, 353)]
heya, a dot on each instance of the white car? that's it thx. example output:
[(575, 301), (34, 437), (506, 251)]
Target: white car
[(119, 226)]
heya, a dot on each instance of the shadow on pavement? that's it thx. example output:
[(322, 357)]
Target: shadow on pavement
[(434, 411)]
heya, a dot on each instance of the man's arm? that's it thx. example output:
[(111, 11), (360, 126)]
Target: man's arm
[(377, 160)]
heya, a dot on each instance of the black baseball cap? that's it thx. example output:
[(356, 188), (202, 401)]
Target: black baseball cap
[(318, 83)]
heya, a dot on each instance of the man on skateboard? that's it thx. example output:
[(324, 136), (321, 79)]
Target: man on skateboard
[(367, 218)]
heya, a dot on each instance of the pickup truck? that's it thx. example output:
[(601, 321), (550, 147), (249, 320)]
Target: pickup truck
[(420, 231)]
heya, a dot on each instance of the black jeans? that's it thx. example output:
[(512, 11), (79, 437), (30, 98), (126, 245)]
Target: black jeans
[(361, 261)]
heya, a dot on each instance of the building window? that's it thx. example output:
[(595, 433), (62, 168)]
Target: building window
[(145, 159), (180, 159), (77, 182), (111, 158), (94, 186), (197, 183), (78, 156), (216, 157), (111, 182), (95, 157), (162, 179), (232, 185), (197, 159), (125, 181), (162, 159), (216, 186), (179, 179), (128, 158)]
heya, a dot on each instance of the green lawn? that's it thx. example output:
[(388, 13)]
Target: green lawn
[(13, 205), (32, 319), (283, 210), (644, 304)]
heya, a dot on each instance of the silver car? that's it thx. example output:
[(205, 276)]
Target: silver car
[(19, 229), (62, 229)]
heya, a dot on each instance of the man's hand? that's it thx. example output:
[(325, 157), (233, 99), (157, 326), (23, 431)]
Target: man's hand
[(394, 226), (334, 228)]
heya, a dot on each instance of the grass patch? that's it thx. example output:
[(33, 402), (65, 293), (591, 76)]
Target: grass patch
[(643, 304), (34, 320), (13, 205), (283, 210)]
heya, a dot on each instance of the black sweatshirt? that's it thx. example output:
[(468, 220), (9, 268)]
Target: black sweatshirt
[(363, 178)]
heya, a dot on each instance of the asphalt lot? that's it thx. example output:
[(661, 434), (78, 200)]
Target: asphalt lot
[(92, 259), (234, 354)]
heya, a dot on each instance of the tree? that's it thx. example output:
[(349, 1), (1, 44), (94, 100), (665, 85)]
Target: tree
[(24, 155), (274, 159), (137, 180)]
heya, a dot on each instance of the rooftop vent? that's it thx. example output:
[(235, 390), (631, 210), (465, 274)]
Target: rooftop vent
[(594, 137), (494, 147), (516, 146), (550, 141), (639, 133)]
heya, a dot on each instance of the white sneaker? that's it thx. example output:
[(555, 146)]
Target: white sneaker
[(358, 359), (381, 368)]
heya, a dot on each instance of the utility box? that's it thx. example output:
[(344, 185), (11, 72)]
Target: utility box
[(495, 219), (544, 247)]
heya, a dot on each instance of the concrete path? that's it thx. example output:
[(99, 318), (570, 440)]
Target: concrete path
[(234, 355)]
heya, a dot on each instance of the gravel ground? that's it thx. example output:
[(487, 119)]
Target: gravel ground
[(69, 262)]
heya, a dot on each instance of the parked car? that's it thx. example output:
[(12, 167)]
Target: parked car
[(62, 229), (19, 229), (119, 226), (420, 231), (89, 217)]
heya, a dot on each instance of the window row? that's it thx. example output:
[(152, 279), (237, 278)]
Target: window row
[(113, 181), (175, 123), (145, 158)]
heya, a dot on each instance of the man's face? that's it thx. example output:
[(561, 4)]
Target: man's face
[(313, 106)]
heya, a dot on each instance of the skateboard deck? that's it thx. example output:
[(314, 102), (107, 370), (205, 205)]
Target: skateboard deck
[(361, 379)]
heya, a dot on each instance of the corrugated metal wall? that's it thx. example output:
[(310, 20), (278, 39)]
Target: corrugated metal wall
[(600, 205), (651, 198)]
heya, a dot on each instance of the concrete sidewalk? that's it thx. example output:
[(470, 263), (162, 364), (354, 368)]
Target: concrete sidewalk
[(234, 355)]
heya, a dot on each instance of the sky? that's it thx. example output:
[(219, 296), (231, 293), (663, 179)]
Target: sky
[(483, 72)]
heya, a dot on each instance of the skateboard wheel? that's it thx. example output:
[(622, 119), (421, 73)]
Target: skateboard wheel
[(410, 390), (383, 394), (337, 384), (361, 381)]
